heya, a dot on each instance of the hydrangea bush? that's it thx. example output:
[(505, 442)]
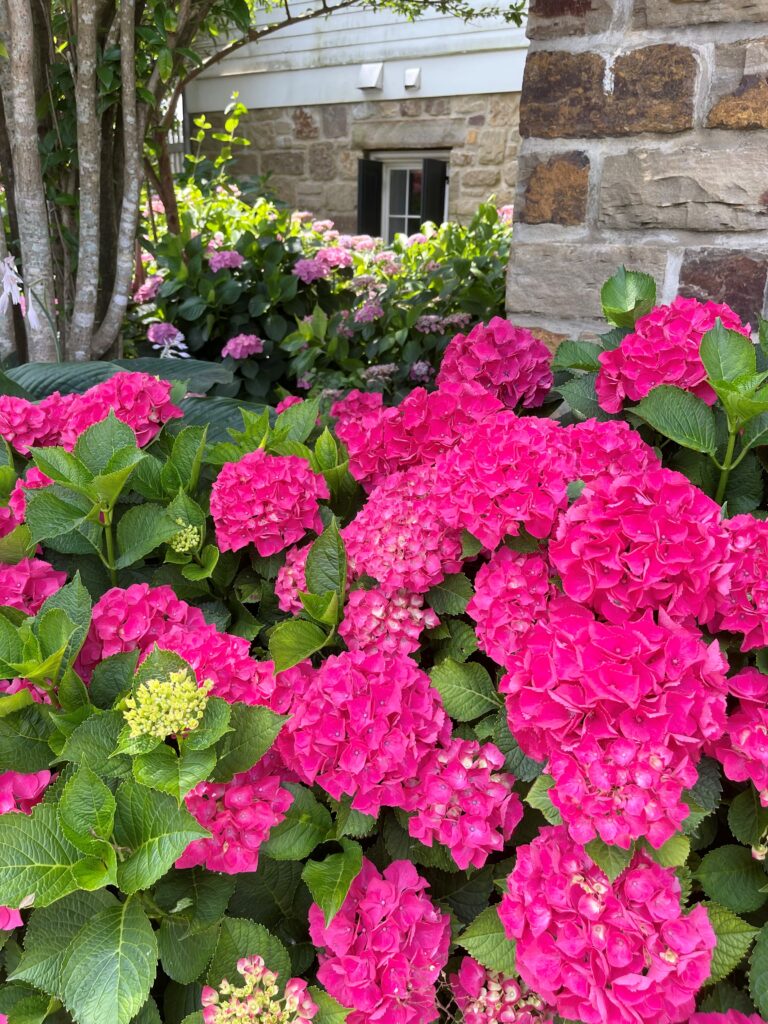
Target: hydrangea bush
[(451, 710)]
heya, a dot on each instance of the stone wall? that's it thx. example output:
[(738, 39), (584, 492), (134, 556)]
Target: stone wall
[(644, 129), (312, 152)]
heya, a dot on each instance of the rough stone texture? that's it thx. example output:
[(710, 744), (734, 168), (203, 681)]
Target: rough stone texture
[(311, 153), (558, 279), (556, 190), (679, 13), (565, 94), (556, 18), (736, 277), (738, 96), (695, 187)]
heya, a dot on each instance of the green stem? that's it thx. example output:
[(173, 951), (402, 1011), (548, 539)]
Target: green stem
[(725, 472), (110, 538)]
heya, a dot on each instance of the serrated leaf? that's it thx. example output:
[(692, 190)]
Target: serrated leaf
[(727, 354), (627, 296), (466, 688), (140, 530), (328, 1010), (538, 797), (734, 937), (93, 743), (297, 422), (162, 769), (306, 824), (681, 416), (747, 818), (87, 806), (452, 596), (293, 641), (673, 853), (610, 859), (724, 997), (238, 938), (515, 761), (730, 876), (253, 731), (758, 972), (326, 566), (99, 443), (576, 355), (186, 953), (329, 880), (485, 940)]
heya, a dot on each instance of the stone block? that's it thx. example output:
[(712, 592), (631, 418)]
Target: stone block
[(564, 94), (322, 161), (678, 13), (285, 162), (738, 97), (491, 145), (438, 106), (468, 104), (563, 280), (694, 187), (726, 275), (553, 19), (504, 109), (421, 134), (555, 191), (305, 125), (477, 178), (335, 120)]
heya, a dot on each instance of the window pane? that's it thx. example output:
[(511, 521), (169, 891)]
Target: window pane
[(397, 187), (396, 224), (414, 223), (414, 193)]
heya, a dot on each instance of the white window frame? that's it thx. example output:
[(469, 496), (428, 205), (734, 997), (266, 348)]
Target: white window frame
[(407, 160)]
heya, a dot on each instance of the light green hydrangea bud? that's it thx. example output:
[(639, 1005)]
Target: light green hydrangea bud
[(186, 540), (167, 707)]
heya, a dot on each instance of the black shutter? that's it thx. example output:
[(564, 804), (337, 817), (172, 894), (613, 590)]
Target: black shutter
[(433, 181), (369, 181)]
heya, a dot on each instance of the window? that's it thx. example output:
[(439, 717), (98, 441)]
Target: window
[(397, 192)]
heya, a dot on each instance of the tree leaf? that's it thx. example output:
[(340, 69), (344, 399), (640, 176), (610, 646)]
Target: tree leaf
[(110, 966), (329, 880), (253, 731), (734, 937), (306, 824), (681, 416), (485, 940), (466, 689)]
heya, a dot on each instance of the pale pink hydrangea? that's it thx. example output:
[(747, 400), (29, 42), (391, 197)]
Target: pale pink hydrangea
[(162, 334), (463, 800), (139, 400), (506, 360), (239, 814), (225, 259), (269, 501), (376, 622), (29, 583), (512, 592), (743, 749), (361, 726), (602, 952), (509, 473), (370, 310), (398, 537), (291, 579), (383, 952), (608, 447), (242, 346), (334, 256), (488, 997), (148, 291), (633, 543), (310, 270), (287, 402), (662, 349), (622, 713), (743, 608), (25, 424), (258, 998)]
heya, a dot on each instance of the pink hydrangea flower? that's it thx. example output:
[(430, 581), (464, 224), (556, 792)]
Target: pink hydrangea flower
[(9, 919), (32, 480), (239, 814), (242, 346), (602, 952), (310, 270), (382, 953), (743, 749), (163, 333), (29, 583), (139, 400), (26, 425), (743, 608), (370, 310), (465, 802), (148, 291), (610, 447), (375, 621), (512, 592), (225, 259), (291, 579), (21, 792), (334, 256), (629, 544), (361, 726), (662, 349), (487, 997), (729, 1017), (398, 537), (622, 713), (258, 998), (506, 360), (269, 501), (287, 402), (11, 686), (509, 473)]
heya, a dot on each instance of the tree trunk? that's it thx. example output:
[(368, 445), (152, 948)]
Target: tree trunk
[(89, 164), (29, 194), (165, 181)]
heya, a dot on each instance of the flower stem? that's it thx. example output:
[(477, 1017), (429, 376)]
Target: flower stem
[(110, 539), (727, 466)]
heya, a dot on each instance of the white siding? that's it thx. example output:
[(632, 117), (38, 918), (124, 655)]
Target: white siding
[(319, 61)]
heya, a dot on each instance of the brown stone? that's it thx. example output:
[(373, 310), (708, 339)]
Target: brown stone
[(304, 124), (564, 94), (556, 191), (476, 178), (289, 162), (747, 108), (677, 13), (335, 121), (504, 109), (726, 275), (550, 338), (322, 161), (476, 119), (717, 185), (550, 19), (738, 95), (437, 106)]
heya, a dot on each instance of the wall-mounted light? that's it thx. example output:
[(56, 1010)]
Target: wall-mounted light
[(412, 79), (371, 76)]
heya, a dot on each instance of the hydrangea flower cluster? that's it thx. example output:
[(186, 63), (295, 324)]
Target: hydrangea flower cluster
[(488, 997), (465, 802), (29, 583), (25, 424), (225, 259), (269, 501), (384, 950), (607, 448), (506, 360), (603, 953), (743, 749), (361, 725), (167, 707), (743, 606), (622, 714), (729, 1017), (663, 349), (391, 623), (242, 346), (631, 543), (291, 579), (258, 999), (239, 814)]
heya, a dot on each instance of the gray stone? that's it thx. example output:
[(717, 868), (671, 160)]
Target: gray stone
[(409, 135), (475, 178), (335, 120), (551, 19), (288, 162), (491, 145), (322, 161), (676, 13), (557, 279), (689, 188)]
